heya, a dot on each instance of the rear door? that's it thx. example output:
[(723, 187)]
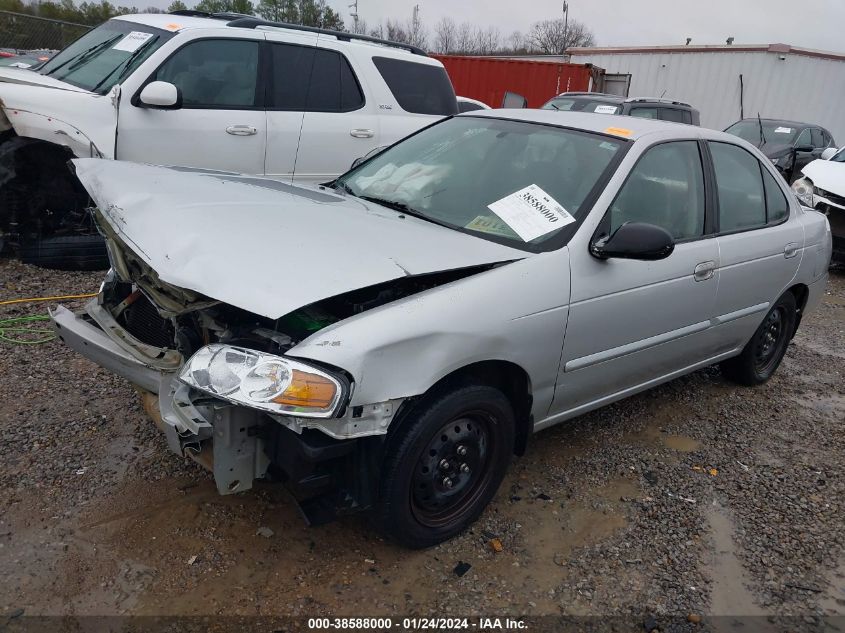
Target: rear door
[(339, 124), (760, 243)]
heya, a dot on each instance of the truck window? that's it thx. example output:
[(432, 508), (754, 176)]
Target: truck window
[(418, 88)]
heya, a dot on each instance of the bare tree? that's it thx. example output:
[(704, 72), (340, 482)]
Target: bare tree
[(487, 40), (553, 37), (465, 39), (445, 36), (359, 27), (378, 31), (396, 32), (517, 42)]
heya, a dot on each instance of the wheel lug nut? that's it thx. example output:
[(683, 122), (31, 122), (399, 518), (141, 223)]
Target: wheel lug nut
[(462, 450), (464, 468), (444, 464), (447, 483)]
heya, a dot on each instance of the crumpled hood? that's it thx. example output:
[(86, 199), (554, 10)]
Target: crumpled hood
[(265, 246), (31, 78), (827, 175)]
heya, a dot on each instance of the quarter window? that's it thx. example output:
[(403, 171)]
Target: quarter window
[(777, 208), (665, 188), (644, 113), (419, 88), (742, 203), (214, 73)]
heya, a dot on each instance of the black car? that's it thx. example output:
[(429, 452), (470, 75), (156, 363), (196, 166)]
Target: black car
[(788, 144), (643, 107)]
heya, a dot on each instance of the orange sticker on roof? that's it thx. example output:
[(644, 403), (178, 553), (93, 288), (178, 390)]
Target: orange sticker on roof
[(173, 27), (618, 131)]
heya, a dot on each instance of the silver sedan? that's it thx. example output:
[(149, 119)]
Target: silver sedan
[(386, 342)]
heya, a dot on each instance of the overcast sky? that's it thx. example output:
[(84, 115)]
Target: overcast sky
[(809, 23)]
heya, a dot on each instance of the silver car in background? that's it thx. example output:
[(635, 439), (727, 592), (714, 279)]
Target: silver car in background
[(387, 342)]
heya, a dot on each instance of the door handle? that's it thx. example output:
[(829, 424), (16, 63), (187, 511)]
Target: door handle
[(790, 250), (704, 271), (360, 133), (241, 130)]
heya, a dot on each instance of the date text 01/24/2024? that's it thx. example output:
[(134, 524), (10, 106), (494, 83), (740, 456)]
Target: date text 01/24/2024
[(416, 624)]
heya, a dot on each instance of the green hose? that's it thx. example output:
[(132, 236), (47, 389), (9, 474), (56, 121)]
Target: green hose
[(18, 327)]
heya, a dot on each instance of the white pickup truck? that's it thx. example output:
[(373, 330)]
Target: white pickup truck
[(212, 91)]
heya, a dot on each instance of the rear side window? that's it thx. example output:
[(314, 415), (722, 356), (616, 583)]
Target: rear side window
[(312, 80), (673, 114), (817, 137), (644, 113), (418, 88), (777, 208), (742, 203)]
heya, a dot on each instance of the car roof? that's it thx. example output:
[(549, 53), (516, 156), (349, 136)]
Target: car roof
[(796, 124), (631, 128), (177, 23), (592, 96)]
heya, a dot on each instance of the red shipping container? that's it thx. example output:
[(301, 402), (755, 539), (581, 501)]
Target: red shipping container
[(488, 78)]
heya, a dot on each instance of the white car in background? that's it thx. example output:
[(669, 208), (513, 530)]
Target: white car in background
[(822, 187), (213, 91)]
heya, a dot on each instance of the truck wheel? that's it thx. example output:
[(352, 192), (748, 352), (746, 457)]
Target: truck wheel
[(68, 252), (764, 352), (444, 464)]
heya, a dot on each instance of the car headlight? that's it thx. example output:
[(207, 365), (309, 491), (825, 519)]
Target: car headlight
[(803, 189), (263, 381)]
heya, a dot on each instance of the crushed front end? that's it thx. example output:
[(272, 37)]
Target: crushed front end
[(216, 381)]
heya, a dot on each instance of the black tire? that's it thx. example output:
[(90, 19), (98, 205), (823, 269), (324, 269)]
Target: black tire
[(69, 252), (465, 425), (763, 354)]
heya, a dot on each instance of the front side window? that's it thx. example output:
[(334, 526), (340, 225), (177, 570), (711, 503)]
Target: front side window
[(418, 88), (742, 203), (106, 55), (220, 74), (805, 138), (817, 137), (665, 188), (488, 177)]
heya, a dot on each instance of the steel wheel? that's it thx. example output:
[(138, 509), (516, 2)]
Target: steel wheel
[(769, 339), (452, 469)]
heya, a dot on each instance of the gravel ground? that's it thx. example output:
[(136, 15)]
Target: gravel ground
[(698, 497)]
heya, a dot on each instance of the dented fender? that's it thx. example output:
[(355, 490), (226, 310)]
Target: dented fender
[(402, 349)]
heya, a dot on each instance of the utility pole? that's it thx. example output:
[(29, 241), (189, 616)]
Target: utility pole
[(354, 14), (565, 25)]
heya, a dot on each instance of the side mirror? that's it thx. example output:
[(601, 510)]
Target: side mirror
[(804, 149), (514, 100), (635, 240), (829, 153), (161, 94)]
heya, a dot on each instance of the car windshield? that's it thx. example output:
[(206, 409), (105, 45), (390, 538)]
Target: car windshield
[(512, 182), (582, 105), (102, 57), (775, 132)]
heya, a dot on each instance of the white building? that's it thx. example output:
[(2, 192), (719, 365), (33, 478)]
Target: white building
[(727, 83)]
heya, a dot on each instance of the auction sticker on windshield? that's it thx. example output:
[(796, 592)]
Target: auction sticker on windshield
[(783, 130), (531, 212), (132, 42), (605, 109)]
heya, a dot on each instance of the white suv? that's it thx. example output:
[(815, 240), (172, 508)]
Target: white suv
[(222, 91)]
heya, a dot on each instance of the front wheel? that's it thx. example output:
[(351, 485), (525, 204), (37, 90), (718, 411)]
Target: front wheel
[(764, 352), (444, 464)]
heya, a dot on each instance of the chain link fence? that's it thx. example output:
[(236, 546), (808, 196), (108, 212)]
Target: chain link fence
[(28, 32)]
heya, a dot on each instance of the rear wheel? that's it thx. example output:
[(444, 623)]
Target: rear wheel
[(763, 354), (444, 464)]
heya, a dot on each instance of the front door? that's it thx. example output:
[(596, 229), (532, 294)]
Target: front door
[(221, 123), (633, 322)]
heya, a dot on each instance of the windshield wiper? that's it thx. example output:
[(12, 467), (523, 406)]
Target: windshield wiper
[(126, 63), (83, 56), (404, 208)]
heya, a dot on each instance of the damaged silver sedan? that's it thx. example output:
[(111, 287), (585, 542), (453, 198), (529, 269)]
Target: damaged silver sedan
[(388, 341)]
